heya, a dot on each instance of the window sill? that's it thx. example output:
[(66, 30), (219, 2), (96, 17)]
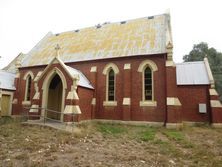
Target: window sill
[(109, 103), (26, 103), (148, 103)]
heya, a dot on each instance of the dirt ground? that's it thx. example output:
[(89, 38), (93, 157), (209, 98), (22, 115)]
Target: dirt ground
[(109, 145)]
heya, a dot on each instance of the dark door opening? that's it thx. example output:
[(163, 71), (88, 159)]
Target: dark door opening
[(55, 98)]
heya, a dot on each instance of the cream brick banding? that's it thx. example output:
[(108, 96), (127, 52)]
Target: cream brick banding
[(93, 69), (148, 103), (169, 49), (213, 92), (170, 63), (93, 102), (173, 101), (72, 95), (110, 103), (127, 66), (216, 125), (174, 125), (72, 109), (210, 75), (109, 66), (150, 63), (15, 101), (26, 102), (37, 76), (215, 104), (29, 73), (126, 101), (36, 96), (34, 108)]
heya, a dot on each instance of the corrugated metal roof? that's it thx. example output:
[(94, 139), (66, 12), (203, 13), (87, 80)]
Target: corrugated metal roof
[(192, 73), (83, 81), (135, 37), (11, 66), (7, 80)]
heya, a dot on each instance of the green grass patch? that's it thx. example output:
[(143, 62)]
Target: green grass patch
[(159, 142), (147, 135), (187, 144), (111, 129), (6, 120), (179, 137), (174, 135), (166, 148)]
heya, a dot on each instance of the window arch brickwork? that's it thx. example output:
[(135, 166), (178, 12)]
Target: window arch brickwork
[(110, 70), (28, 77), (147, 68)]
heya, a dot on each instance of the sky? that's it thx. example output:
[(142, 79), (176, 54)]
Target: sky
[(23, 23)]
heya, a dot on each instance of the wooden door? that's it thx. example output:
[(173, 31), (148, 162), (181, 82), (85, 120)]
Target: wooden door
[(5, 105)]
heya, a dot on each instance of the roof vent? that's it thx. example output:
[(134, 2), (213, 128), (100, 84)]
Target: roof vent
[(151, 17), (106, 23), (123, 22), (56, 34), (98, 26), (76, 30)]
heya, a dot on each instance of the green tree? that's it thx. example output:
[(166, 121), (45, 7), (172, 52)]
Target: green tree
[(202, 50)]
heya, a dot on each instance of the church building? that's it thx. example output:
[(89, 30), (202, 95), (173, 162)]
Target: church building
[(114, 71)]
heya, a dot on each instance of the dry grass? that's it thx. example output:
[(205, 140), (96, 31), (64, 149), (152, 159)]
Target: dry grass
[(109, 145)]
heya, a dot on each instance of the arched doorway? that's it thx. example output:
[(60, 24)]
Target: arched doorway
[(55, 93), (49, 80)]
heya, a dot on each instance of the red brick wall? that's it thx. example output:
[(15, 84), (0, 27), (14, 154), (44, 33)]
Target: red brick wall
[(134, 85), (149, 113), (85, 99), (137, 112), (190, 97), (216, 115), (174, 112)]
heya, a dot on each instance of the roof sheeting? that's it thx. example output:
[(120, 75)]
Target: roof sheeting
[(7, 80), (141, 36), (11, 67), (192, 73), (83, 81)]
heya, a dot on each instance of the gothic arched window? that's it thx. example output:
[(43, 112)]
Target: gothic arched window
[(148, 85), (111, 85), (28, 88), (148, 70)]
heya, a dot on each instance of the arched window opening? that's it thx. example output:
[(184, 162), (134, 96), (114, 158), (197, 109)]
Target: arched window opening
[(28, 88), (111, 85), (148, 84)]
